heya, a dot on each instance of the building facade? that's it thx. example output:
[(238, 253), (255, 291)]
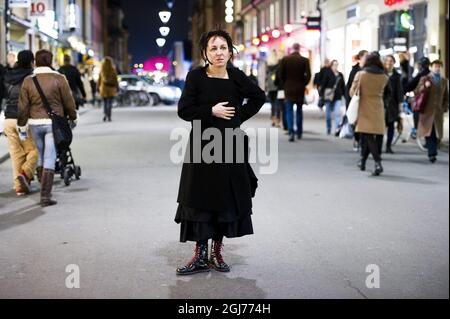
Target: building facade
[(87, 30), (392, 27)]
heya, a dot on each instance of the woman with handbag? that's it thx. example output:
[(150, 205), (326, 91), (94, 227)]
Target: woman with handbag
[(431, 114), (108, 86), (34, 112), (332, 90), (215, 197), (370, 84)]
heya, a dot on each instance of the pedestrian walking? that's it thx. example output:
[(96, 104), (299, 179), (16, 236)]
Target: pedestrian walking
[(295, 74), (33, 112), (370, 84), (280, 95), (424, 70), (360, 59), (393, 100), (108, 86), (73, 76), (332, 91), (431, 121), (406, 70), (86, 83), (317, 82), (272, 88), (23, 153), (215, 199)]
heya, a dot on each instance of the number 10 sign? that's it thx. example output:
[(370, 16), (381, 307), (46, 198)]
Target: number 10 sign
[(38, 8)]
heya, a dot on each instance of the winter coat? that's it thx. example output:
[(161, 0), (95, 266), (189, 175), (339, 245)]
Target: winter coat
[(206, 185), (393, 97), (437, 105), (58, 93), (295, 74), (271, 77), (414, 82), (372, 83), (73, 76), (108, 84), (13, 84), (328, 81)]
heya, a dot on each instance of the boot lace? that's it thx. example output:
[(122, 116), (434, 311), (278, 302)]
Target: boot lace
[(218, 247)]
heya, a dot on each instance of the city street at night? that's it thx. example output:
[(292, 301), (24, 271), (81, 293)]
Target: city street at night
[(316, 231)]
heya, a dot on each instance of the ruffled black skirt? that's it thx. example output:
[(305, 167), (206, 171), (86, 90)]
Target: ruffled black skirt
[(197, 224)]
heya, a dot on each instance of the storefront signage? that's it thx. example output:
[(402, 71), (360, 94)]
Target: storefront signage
[(19, 3), (313, 23), (390, 3)]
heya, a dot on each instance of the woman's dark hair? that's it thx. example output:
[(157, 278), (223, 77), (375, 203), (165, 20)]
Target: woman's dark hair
[(204, 40), (373, 59), (44, 58), (391, 57), (332, 62), (25, 59)]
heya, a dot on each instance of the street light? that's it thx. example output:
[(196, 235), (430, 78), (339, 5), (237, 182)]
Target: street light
[(165, 16), (160, 42), (164, 31), (288, 28), (276, 34)]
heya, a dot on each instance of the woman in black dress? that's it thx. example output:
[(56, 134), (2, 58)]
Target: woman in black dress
[(215, 198)]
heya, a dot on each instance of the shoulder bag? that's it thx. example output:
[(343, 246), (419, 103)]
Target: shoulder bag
[(62, 133)]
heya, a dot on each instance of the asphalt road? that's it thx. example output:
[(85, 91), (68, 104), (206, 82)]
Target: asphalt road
[(319, 222)]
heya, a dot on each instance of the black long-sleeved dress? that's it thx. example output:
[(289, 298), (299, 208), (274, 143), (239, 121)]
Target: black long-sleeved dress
[(216, 198)]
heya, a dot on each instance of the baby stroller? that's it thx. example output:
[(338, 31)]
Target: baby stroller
[(65, 166)]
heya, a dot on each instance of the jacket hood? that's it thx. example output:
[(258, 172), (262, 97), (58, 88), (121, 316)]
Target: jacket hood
[(15, 76)]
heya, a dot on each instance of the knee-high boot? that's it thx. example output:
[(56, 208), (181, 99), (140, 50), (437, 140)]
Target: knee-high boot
[(46, 188)]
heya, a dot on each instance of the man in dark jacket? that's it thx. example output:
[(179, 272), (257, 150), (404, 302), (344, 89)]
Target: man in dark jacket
[(74, 78), (295, 74), (23, 153)]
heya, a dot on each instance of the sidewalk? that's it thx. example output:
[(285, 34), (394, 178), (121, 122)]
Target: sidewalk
[(4, 153)]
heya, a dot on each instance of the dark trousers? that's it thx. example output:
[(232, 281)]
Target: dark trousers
[(432, 143), (283, 114), (107, 109), (274, 102), (390, 133), (289, 107), (371, 144)]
